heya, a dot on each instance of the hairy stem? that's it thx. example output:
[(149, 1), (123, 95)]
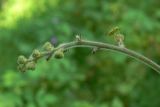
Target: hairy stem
[(106, 46)]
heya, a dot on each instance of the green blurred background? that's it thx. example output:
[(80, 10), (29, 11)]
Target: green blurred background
[(81, 79)]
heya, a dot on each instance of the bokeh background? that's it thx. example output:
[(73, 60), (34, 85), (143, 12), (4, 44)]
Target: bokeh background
[(81, 79)]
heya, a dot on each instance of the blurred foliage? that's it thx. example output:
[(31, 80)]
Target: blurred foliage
[(80, 79)]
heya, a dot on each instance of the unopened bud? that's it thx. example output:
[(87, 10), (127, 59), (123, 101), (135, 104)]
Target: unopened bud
[(21, 68), (119, 37), (78, 38), (21, 59), (48, 46), (94, 50), (36, 53), (31, 65), (59, 54)]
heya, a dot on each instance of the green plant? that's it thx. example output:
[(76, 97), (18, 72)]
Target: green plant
[(58, 52)]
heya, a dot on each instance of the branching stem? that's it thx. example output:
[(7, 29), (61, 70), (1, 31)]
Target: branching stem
[(105, 46)]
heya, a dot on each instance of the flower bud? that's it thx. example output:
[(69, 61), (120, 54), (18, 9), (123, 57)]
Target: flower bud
[(119, 38), (48, 46), (21, 59), (78, 38), (94, 50), (36, 53), (59, 54), (31, 65), (21, 68)]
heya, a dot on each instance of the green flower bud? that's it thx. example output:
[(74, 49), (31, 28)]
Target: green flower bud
[(21, 59), (31, 65), (36, 53), (48, 46), (21, 67), (78, 38), (119, 38), (59, 54), (94, 50)]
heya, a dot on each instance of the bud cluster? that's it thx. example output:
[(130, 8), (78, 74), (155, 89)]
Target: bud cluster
[(119, 38), (25, 64)]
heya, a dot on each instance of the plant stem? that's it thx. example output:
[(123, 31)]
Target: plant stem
[(106, 46)]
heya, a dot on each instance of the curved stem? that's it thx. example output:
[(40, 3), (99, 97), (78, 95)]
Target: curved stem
[(106, 46)]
